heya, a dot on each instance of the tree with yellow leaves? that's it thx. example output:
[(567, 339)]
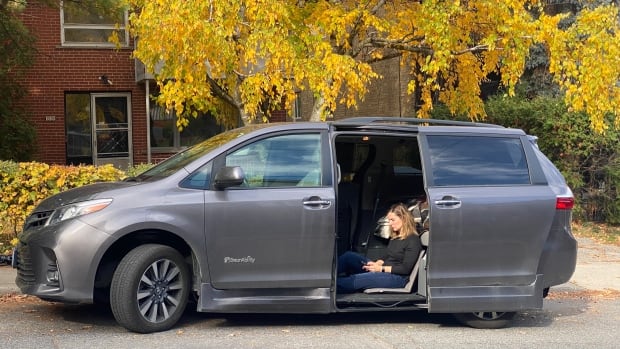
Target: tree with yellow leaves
[(256, 54)]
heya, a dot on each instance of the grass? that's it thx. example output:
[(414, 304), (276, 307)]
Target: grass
[(604, 233)]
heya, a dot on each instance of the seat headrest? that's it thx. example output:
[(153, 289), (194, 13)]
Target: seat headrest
[(424, 239)]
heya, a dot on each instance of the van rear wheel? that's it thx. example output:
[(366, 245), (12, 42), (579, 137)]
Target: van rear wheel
[(150, 288), (486, 319)]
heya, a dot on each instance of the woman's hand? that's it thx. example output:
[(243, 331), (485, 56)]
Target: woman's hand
[(374, 267)]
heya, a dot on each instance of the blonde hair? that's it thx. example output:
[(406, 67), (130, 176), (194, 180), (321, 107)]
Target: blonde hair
[(408, 228)]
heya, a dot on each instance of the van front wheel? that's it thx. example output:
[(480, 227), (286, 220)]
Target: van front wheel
[(486, 319), (150, 288)]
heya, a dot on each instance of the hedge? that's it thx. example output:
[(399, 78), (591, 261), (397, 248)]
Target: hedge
[(24, 185)]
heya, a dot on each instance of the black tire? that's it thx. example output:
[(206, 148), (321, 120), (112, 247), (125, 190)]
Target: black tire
[(486, 319), (150, 288)]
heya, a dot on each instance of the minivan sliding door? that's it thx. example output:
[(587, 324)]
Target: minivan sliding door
[(488, 224)]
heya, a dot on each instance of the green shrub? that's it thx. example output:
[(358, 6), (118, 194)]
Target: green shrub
[(8, 168), (18, 139), (611, 199), (135, 170), (24, 186)]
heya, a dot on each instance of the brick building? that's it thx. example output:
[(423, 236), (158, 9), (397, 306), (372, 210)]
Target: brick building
[(387, 96), (73, 78), (88, 98)]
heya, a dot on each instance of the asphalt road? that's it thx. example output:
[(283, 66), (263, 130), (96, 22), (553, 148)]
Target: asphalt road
[(583, 313), (576, 321)]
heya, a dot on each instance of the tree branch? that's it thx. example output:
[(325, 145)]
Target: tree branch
[(354, 33), (384, 58), (475, 49), (220, 92), (399, 45)]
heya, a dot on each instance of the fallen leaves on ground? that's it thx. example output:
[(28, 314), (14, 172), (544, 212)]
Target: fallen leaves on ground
[(585, 294), (603, 233), (17, 298)]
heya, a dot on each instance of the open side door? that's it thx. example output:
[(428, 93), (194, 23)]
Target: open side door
[(488, 225)]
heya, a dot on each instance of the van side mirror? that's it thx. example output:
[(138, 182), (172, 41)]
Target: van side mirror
[(229, 176)]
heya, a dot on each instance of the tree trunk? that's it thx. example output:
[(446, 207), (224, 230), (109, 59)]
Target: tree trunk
[(243, 117), (317, 109)]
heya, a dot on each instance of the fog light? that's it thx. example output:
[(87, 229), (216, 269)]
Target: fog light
[(53, 275)]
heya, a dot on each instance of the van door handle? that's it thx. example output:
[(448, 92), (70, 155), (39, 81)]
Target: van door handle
[(448, 203), (316, 202)]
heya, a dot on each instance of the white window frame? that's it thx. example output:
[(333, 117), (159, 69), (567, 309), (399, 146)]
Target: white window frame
[(161, 113), (118, 161), (122, 27), (297, 107)]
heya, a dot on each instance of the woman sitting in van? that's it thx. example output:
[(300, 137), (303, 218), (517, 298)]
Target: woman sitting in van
[(391, 271)]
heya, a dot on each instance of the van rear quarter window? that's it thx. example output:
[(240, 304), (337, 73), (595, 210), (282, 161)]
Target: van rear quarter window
[(475, 160)]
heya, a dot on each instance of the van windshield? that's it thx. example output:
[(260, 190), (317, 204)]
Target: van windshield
[(185, 157)]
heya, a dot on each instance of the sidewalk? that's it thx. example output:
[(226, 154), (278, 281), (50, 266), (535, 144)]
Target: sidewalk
[(7, 280), (598, 268)]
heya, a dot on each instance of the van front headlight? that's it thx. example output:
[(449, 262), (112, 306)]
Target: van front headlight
[(78, 209)]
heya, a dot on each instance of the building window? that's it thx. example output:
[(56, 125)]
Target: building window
[(166, 137), (297, 107), (84, 24)]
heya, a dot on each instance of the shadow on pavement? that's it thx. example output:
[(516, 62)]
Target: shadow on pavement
[(566, 301)]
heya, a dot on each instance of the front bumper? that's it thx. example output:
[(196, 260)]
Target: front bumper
[(59, 262)]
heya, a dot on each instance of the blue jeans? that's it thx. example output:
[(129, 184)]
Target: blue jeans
[(357, 279)]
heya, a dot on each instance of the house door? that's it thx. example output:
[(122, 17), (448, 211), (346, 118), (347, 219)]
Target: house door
[(98, 128), (111, 124)]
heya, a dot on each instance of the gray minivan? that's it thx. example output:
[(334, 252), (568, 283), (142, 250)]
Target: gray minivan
[(253, 219)]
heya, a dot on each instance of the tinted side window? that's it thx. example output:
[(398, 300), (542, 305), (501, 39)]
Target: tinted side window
[(472, 160), (281, 161)]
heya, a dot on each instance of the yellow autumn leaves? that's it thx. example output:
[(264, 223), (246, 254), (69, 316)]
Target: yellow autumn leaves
[(585, 60), (255, 55), (25, 186)]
